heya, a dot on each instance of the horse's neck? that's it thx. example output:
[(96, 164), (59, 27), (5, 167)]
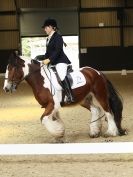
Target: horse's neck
[(34, 77), (27, 62), (40, 78)]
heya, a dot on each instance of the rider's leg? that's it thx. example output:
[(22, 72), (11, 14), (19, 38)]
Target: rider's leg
[(62, 72), (66, 86)]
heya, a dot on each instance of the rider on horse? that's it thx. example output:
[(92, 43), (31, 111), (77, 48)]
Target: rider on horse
[(55, 55)]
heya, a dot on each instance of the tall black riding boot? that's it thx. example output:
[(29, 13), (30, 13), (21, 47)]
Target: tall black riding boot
[(66, 86)]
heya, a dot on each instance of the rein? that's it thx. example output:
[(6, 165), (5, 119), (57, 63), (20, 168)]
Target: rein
[(49, 80)]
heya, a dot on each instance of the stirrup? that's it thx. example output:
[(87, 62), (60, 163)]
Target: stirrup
[(67, 101)]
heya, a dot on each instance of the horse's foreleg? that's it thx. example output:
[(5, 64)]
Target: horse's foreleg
[(48, 110), (54, 125)]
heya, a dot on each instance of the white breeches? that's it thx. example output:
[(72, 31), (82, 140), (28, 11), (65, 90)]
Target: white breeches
[(61, 70)]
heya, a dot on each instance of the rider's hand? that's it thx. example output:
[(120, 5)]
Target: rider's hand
[(46, 61)]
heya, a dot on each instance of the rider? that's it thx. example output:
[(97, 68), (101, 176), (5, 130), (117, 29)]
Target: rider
[(55, 55)]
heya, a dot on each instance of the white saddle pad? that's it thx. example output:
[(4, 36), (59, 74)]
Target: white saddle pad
[(51, 81), (78, 79)]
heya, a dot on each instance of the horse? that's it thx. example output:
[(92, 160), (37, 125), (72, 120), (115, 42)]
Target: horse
[(93, 85)]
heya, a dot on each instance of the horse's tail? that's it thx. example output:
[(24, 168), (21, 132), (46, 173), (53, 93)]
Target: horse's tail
[(116, 105)]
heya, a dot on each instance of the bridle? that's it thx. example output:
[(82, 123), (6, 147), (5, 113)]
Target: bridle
[(19, 81), (14, 82)]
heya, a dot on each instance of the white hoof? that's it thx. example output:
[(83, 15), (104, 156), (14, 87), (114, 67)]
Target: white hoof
[(111, 134), (55, 127), (95, 135)]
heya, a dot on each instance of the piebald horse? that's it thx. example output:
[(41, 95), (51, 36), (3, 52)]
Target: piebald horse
[(48, 92)]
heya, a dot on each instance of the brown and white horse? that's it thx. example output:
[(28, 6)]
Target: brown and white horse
[(48, 93)]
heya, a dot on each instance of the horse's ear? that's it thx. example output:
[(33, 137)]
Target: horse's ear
[(13, 57), (16, 52), (21, 61)]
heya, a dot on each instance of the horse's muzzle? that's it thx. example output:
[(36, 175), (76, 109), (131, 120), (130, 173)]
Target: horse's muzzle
[(11, 89), (6, 89)]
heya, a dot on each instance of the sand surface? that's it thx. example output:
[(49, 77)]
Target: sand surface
[(20, 123)]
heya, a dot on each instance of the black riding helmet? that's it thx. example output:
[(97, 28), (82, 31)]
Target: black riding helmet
[(50, 22)]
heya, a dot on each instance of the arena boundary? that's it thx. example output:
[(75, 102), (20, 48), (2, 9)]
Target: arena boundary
[(68, 148)]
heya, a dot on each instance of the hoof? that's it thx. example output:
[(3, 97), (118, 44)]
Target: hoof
[(59, 140), (96, 135), (107, 134), (62, 104), (108, 140), (123, 132)]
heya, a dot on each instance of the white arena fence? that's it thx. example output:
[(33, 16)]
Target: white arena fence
[(66, 148)]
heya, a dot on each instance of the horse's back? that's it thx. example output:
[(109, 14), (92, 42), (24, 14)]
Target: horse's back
[(91, 70)]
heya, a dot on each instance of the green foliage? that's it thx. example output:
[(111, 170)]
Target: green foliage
[(26, 49)]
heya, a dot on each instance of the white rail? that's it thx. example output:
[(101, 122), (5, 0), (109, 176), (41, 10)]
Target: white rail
[(68, 148)]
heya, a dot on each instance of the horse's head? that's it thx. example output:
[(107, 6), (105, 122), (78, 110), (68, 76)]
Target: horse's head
[(14, 72)]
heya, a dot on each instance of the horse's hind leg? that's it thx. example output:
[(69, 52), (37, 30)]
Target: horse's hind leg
[(112, 129), (54, 125), (95, 124)]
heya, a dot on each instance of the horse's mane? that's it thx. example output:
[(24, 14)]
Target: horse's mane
[(29, 60), (25, 58)]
